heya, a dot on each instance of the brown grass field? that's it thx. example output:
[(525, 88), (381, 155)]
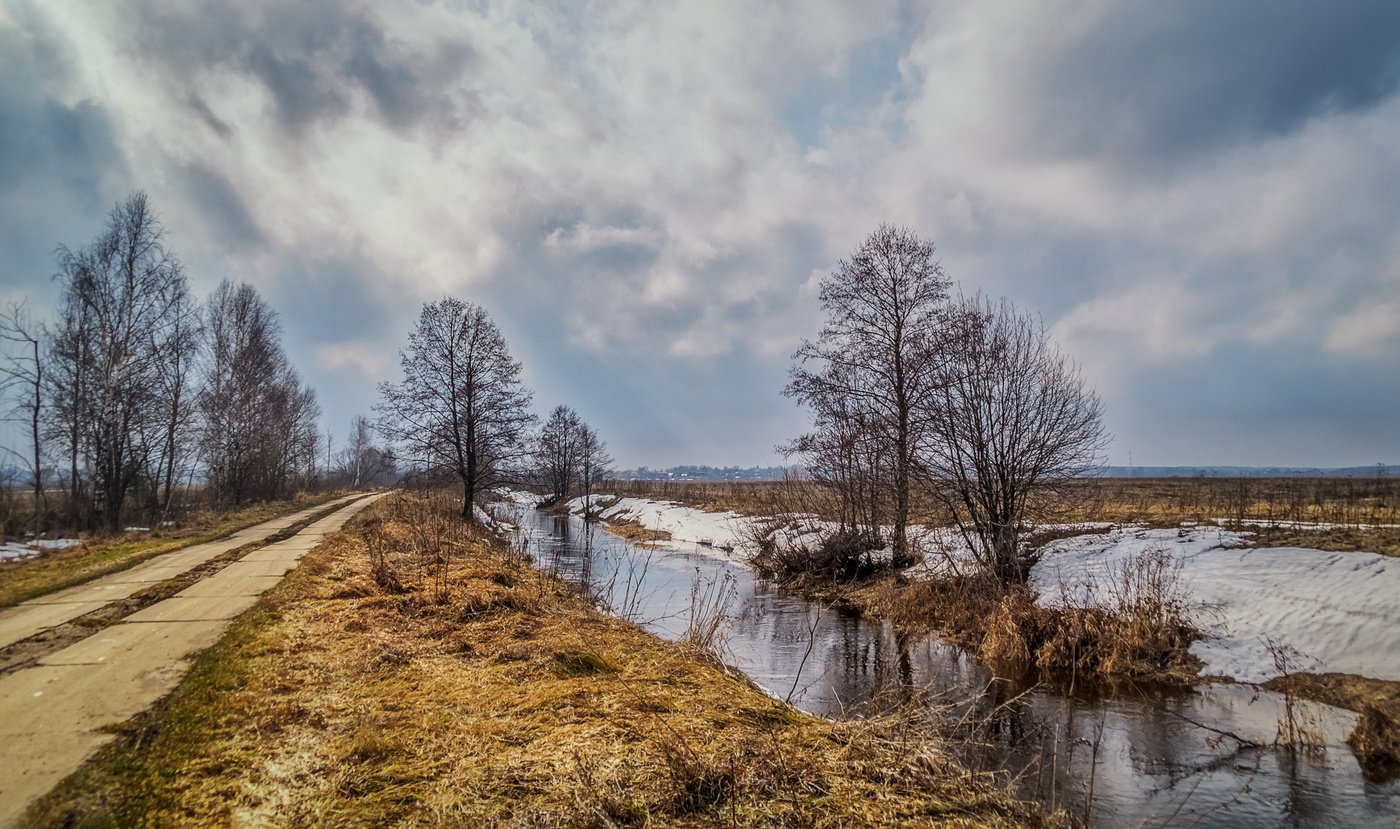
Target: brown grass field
[(411, 673)]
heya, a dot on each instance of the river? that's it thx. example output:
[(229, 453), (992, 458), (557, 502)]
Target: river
[(1217, 755)]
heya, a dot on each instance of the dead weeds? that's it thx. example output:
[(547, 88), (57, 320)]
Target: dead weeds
[(1376, 738), (481, 692), (635, 532)]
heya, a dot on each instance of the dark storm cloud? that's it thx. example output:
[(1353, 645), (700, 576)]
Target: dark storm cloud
[(221, 208), (217, 124), (1168, 81), (60, 164), (313, 58), (42, 139)]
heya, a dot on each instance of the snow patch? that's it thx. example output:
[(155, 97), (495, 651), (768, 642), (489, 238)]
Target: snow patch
[(14, 550)]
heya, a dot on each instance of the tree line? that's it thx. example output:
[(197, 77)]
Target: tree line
[(963, 401), (135, 390)]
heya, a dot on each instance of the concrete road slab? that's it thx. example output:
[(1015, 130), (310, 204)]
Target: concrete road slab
[(151, 643), (22, 622), (149, 575), (103, 591), (242, 569), (50, 713), (245, 585), (34, 764), (51, 717), (194, 609), (283, 551)]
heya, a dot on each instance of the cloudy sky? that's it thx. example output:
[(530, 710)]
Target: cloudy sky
[(1201, 198)]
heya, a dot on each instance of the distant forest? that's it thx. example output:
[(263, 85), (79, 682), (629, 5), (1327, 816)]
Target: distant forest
[(1246, 471), (702, 473)]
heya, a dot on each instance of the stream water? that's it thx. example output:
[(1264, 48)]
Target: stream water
[(1217, 755)]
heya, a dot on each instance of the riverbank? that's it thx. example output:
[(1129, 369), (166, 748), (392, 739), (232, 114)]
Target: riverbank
[(413, 672), (1108, 604)]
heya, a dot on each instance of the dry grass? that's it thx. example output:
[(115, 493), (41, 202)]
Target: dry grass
[(100, 555), (1135, 626), (1382, 540), (1376, 738), (1347, 502), (476, 691), (634, 531)]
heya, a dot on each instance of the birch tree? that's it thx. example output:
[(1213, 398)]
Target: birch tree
[(122, 298), (260, 432)]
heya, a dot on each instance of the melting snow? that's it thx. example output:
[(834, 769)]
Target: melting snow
[(16, 549), (1331, 611)]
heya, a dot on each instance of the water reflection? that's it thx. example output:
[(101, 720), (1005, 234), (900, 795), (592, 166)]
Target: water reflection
[(1214, 756)]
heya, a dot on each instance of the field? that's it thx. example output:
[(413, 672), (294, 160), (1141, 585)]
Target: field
[(1357, 509)]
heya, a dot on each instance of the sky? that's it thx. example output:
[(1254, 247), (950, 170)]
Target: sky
[(1201, 199)]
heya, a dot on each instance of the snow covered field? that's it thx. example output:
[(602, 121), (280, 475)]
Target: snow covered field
[(1321, 611), (1335, 611)]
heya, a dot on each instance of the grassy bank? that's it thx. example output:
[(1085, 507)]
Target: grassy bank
[(412, 672), (98, 556)]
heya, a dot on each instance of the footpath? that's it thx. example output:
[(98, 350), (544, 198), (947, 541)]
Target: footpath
[(52, 712)]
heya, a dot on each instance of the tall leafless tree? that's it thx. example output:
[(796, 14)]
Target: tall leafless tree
[(176, 397), (594, 465), (1010, 420), (875, 356), (846, 454), (557, 451), (22, 376), (65, 424), (260, 434), (461, 404), (121, 300)]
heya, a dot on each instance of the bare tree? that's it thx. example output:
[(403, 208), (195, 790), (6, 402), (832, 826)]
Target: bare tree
[(121, 300), (461, 403), (260, 434), (846, 454), (874, 357), (22, 374), (595, 464), (557, 451), (176, 397), (361, 461), (1010, 420), (67, 391)]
